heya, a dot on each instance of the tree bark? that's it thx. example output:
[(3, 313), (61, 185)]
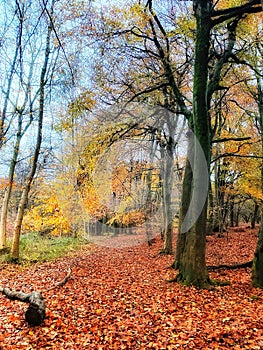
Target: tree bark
[(21, 130), (185, 200), (192, 269), (3, 218), (167, 197), (255, 216), (3, 115), (257, 269), (8, 190)]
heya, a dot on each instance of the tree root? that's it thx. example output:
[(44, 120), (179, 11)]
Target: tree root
[(231, 267), (165, 252)]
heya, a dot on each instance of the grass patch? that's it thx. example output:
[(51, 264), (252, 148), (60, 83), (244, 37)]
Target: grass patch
[(34, 248)]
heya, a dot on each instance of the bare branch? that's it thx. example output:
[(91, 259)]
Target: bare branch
[(232, 139), (229, 155), (59, 42)]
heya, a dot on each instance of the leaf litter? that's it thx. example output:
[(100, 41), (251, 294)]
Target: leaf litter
[(121, 299)]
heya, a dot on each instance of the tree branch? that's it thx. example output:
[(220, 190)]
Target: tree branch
[(226, 14), (35, 313), (226, 155), (164, 55), (225, 139), (148, 90), (215, 76)]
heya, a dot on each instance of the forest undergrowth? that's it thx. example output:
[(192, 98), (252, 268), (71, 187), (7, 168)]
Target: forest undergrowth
[(121, 299)]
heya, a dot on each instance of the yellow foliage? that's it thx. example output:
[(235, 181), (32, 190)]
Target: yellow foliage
[(121, 191), (224, 4), (46, 216), (85, 101)]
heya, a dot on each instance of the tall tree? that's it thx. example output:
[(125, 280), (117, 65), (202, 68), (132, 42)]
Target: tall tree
[(22, 110), (192, 267), (44, 78), (257, 270)]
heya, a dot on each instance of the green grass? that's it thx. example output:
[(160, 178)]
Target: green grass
[(34, 248)]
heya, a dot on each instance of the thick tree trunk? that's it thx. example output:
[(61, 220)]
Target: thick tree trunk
[(192, 269), (257, 269)]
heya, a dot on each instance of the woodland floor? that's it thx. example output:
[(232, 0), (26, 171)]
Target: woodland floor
[(120, 299)]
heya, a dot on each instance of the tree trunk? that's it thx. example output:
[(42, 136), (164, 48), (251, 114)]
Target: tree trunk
[(255, 216), (18, 221), (167, 198), (3, 218), (8, 89), (257, 269), (21, 130), (24, 197), (232, 211), (192, 269), (210, 210), (185, 200), (8, 190)]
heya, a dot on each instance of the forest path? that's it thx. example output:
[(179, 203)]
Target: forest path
[(120, 299)]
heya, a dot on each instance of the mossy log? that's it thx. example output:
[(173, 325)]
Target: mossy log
[(35, 313)]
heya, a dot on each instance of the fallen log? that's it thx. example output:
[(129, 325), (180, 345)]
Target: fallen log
[(35, 313)]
